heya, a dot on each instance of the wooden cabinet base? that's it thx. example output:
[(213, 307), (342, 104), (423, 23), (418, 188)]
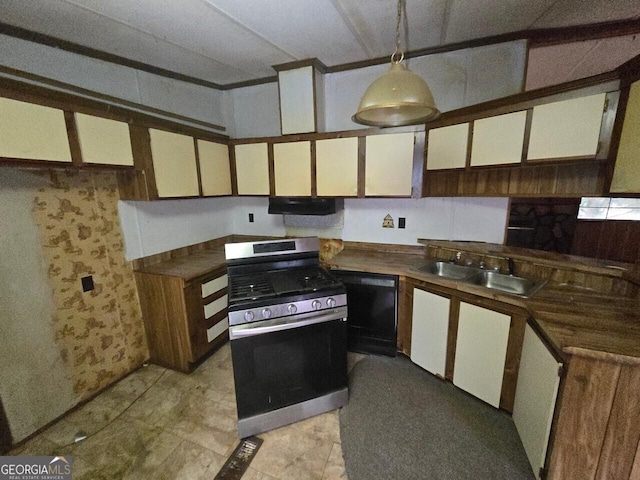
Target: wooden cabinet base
[(175, 321), (598, 426)]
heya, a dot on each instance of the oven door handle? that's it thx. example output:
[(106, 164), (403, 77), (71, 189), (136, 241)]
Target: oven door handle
[(244, 331)]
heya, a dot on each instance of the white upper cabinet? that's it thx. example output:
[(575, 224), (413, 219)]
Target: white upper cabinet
[(292, 169), (337, 167), (447, 147), (174, 164), (481, 351), (566, 129), (252, 168), (215, 173), (626, 175), (389, 165), (33, 132), (104, 141), (297, 89), (498, 140)]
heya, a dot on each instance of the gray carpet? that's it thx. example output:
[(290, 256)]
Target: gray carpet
[(402, 423)]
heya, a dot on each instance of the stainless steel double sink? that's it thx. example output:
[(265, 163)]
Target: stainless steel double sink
[(492, 279)]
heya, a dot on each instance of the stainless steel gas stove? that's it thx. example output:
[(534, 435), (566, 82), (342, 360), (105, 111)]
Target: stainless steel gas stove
[(288, 332)]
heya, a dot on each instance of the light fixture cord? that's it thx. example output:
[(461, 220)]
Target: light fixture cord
[(398, 53), (398, 26)]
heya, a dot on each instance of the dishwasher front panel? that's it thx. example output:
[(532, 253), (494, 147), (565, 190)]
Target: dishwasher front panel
[(372, 303)]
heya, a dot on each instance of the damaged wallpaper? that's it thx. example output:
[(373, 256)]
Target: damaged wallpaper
[(100, 332), (92, 338)]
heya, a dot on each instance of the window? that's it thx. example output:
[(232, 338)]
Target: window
[(595, 208)]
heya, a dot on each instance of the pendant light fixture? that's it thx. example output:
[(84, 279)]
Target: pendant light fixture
[(398, 97)]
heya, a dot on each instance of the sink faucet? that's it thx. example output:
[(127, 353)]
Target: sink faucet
[(457, 258), (512, 266)]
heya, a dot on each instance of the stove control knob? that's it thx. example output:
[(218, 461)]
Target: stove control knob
[(316, 305), (248, 316), (291, 308), (266, 313), (331, 302)]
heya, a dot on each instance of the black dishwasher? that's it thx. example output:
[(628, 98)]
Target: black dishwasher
[(372, 303)]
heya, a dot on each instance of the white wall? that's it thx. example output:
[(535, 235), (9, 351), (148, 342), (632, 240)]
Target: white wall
[(479, 219), (255, 111), (187, 99), (155, 227), (457, 79)]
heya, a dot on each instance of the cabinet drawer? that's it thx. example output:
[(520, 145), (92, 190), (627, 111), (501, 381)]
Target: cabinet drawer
[(214, 307), (215, 285), (218, 329)]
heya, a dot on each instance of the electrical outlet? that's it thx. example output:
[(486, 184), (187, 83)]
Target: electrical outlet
[(402, 221), (87, 283), (251, 218)]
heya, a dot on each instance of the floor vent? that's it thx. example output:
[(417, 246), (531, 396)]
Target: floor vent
[(237, 464)]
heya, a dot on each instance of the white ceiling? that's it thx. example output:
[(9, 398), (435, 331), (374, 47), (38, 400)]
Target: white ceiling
[(228, 41)]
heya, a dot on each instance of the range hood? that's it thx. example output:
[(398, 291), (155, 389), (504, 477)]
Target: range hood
[(304, 205)]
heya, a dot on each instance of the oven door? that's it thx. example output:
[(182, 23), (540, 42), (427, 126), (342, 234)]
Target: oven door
[(281, 362)]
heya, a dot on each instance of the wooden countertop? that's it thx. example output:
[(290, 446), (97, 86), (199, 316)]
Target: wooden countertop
[(570, 317), (189, 266)]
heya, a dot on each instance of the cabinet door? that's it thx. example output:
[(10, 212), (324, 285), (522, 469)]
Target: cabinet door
[(626, 175), (297, 100), (252, 169), (389, 165), (447, 147), (498, 140), (566, 129), (215, 174), (481, 350), (292, 169), (535, 400), (429, 331), (104, 141), (337, 167), (33, 132), (174, 164)]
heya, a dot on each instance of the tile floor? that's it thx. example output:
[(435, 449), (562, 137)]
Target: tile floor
[(161, 424)]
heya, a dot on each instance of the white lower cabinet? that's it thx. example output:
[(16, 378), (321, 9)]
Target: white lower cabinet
[(429, 330), (481, 350), (535, 400)]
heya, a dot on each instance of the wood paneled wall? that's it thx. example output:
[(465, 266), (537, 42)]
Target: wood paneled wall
[(571, 179), (599, 422), (617, 240)]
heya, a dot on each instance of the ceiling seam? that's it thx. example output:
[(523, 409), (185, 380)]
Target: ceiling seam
[(584, 58), (246, 28), (352, 28), (159, 39), (446, 17), (544, 12)]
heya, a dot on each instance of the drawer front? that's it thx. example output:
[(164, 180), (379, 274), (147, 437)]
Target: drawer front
[(215, 285), (214, 307), (218, 329)]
